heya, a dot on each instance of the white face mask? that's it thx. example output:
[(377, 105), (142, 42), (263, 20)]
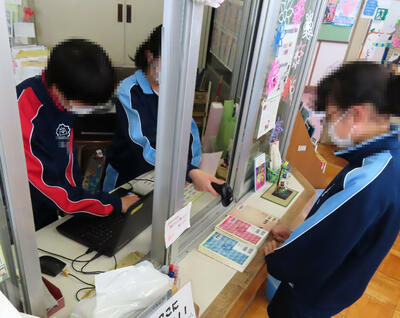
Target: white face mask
[(82, 110), (340, 142)]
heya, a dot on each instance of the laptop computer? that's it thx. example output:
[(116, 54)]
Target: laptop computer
[(107, 235)]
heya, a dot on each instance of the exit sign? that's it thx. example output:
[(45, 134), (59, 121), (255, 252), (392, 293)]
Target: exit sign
[(381, 14)]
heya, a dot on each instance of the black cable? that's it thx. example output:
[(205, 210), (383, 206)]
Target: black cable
[(82, 281), (61, 256), (90, 272), (115, 262), (77, 258), (79, 290), (81, 270)]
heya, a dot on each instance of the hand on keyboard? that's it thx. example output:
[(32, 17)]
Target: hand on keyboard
[(127, 201)]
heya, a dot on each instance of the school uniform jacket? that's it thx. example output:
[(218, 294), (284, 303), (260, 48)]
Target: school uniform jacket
[(329, 259), (133, 150), (53, 171)]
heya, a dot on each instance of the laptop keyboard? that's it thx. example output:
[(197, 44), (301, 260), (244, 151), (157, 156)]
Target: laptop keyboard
[(99, 234)]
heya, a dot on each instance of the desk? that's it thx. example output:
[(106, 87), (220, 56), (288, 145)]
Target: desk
[(50, 240), (219, 290)]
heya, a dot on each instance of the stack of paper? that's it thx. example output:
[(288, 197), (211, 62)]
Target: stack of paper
[(29, 61), (234, 242), (242, 231), (228, 251)]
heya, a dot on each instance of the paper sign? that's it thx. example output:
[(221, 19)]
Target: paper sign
[(24, 29), (7, 309), (177, 224), (178, 306), (370, 7), (285, 58), (269, 110)]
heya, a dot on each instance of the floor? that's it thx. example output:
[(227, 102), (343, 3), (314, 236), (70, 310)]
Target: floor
[(380, 300)]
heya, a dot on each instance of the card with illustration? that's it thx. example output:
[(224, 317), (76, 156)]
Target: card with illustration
[(260, 172)]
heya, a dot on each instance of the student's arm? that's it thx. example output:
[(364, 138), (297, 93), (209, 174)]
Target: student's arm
[(142, 131), (194, 155), (320, 244), (137, 128)]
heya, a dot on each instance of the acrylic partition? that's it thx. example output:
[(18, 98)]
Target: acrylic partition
[(20, 277)]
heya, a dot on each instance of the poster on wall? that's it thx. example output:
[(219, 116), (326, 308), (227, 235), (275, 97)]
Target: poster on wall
[(330, 11), (346, 12)]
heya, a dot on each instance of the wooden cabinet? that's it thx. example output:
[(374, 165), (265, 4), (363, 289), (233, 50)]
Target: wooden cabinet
[(117, 25)]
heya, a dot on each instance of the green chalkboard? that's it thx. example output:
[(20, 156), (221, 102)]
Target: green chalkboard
[(329, 32)]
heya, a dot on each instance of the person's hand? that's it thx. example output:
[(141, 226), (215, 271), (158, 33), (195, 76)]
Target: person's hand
[(202, 181), (280, 233), (271, 246), (127, 201)]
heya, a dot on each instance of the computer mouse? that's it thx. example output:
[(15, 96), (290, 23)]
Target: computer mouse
[(225, 191), (51, 266)]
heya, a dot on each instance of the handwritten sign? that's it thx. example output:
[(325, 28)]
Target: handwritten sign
[(178, 306), (177, 224)]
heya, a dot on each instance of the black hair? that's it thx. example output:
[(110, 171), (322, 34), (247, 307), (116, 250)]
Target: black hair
[(358, 83), (82, 71), (153, 45)]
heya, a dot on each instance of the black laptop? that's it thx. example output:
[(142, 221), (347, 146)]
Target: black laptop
[(107, 235)]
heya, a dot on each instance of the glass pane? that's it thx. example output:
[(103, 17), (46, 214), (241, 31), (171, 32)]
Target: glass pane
[(281, 84), (215, 112), (9, 274)]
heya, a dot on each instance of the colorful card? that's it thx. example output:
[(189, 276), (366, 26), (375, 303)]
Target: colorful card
[(240, 230), (228, 251), (260, 172), (252, 215)]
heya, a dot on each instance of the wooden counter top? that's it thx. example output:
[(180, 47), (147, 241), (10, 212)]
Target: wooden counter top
[(238, 294)]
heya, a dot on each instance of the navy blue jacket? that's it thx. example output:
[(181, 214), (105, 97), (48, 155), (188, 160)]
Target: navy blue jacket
[(330, 258), (53, 171), (133, 150)]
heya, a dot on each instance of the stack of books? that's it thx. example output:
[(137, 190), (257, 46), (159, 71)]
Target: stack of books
[(234, 242)]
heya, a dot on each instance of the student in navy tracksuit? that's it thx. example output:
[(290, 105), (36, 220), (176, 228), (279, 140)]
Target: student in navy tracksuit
[(79, 74), (325, 264), (133, 150)]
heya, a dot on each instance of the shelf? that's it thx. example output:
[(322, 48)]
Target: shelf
[(223, 63)]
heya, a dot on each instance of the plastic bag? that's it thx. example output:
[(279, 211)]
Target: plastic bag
[(125, 292)]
